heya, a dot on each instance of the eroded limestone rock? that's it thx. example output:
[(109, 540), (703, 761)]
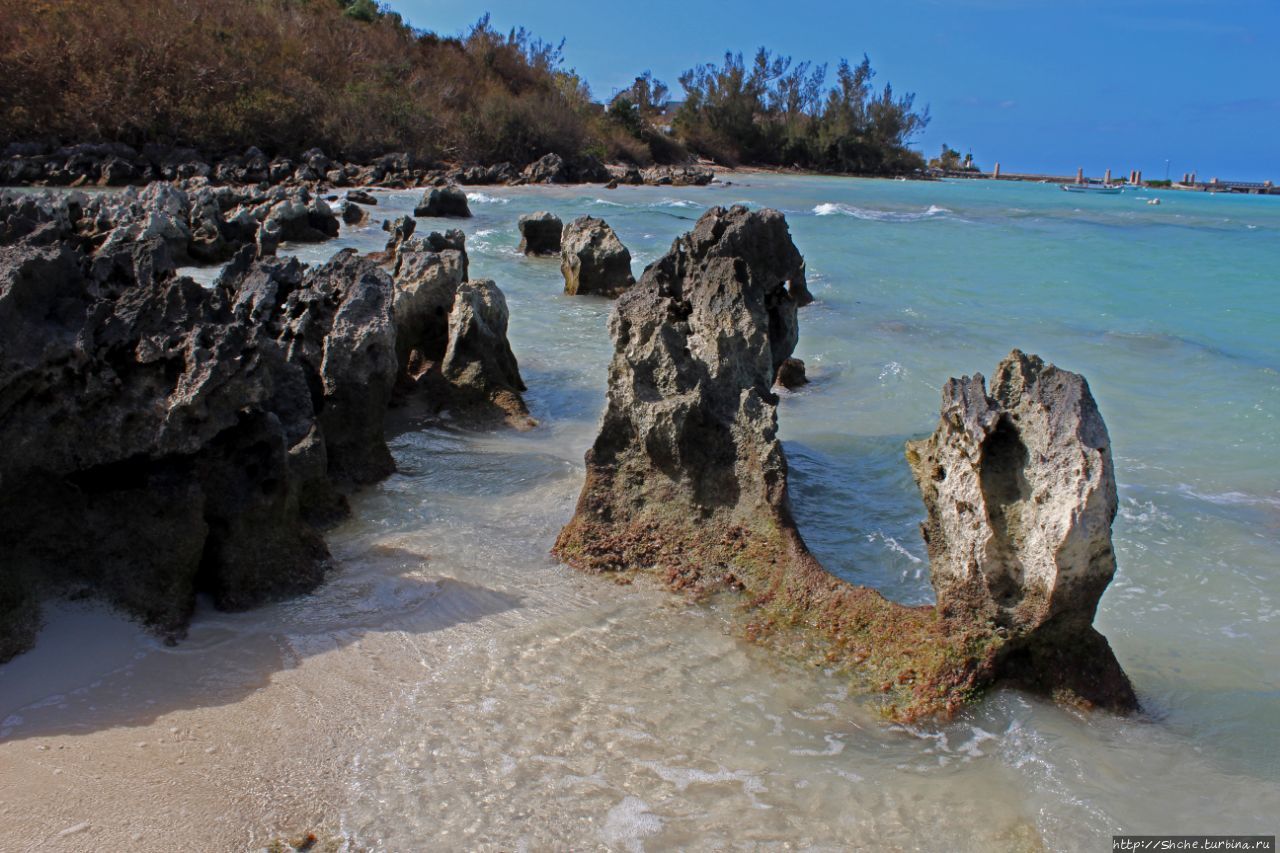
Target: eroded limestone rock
[(451, 333), (687, 479), (547, 169), (540, 233), (158, 438), (1021, 493), (688, 453), (478, 362), (593, 260), (427, 272)]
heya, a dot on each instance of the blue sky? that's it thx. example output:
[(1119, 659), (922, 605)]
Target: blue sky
[(1039, 85)]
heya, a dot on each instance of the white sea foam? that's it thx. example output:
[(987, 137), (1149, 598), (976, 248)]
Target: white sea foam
[(893, 545), (1229, 498), (872, 215), (682, 204), (482, 198), (892, 369)]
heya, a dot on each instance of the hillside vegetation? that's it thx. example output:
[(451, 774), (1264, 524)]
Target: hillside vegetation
[(353, 79)]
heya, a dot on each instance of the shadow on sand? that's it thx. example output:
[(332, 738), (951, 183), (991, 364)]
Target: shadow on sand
[(93, 669)]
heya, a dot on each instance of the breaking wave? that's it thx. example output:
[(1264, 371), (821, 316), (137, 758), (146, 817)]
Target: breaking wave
[(838, 209), (481, 198)]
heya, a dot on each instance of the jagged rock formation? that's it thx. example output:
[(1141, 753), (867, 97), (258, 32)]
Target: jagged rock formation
[(448, 200), (593, 260), (427, 272), (400, 230), (478, 362), (688, 453), (157, 437), (451, 333), (362, 197), (687, 479), (540, 233), (197, 222), (547, 169), (1021, 494)]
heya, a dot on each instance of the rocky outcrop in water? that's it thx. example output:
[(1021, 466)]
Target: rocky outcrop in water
[(159, 438), (791, 374), (478, 362), (399, 230), (448, 200), (687, 458), (451, 333), (593, 260), (540, 233), (687, 479), (1021, 494), (353, 214)]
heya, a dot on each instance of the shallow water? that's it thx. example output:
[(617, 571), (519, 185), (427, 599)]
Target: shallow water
[(457, 689)]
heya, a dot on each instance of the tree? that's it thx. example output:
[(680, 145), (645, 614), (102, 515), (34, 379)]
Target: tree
[(361, 10), (777, 112)]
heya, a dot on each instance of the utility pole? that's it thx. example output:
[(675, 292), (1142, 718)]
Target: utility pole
[(1166, 170)]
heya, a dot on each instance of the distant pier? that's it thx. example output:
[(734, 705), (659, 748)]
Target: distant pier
[(1189, 181)]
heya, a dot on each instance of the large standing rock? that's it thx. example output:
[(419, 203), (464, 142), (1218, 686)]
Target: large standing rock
[(478, 361), (1021, 493), (451, 333), (593, 259), (540, 233), (427, 271), (299, 217), (449, 200), (688, 461)]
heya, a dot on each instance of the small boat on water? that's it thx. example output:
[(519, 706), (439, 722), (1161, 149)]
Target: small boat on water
[(1095, 187)]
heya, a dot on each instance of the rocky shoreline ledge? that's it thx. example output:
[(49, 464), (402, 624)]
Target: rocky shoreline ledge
[(118, 165), (163, 439)]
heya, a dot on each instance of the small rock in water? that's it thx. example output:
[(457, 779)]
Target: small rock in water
[(540, 233), (791, 374), (593, 259), (444, 201)]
